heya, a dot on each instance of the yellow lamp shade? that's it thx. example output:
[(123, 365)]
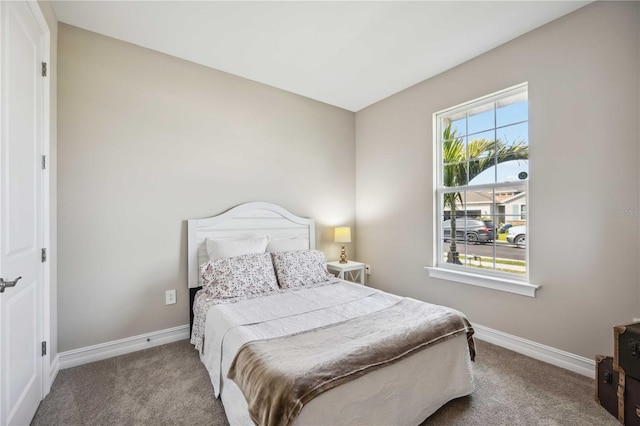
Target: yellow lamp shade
[(343, 234)]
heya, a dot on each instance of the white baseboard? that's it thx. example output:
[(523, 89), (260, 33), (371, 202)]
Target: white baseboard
[(106, 350), (557, 357), (53, 370)]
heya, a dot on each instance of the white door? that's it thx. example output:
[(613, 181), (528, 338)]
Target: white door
[(21, 217)]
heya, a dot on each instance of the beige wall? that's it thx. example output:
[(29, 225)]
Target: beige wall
[(52, 22), (584, 103), (147, 141)]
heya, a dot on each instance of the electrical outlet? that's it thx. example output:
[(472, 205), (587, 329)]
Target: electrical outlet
[(169, 297), (367, 269)]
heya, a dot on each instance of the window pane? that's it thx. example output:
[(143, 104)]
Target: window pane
[(512, 256), (509, 113), (459, 126), (454, 150), (445, 235), (444, 250), (479, 205), (513, 171), (511, 203), (449, 200), (513, 153), (446, 231), (481, 144), (454, 175), (514, 134), (482, 171), (481, 119), (448, 255)]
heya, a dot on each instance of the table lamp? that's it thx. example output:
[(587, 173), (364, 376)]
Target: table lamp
[(343, 235)]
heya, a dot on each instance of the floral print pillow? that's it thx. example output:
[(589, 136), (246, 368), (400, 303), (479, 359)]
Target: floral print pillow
[(300, 268), (239, 276)]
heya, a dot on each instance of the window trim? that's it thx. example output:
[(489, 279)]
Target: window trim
[(496, 283), (498, 280)]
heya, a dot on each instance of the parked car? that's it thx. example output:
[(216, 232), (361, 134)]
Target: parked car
[(518, 235), (505, 228), (470, 230)]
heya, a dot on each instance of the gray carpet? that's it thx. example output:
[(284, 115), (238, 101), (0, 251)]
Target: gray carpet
[(167, 385)]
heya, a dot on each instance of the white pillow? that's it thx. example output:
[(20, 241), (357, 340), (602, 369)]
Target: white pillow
[(287, 244), (300, 268), (249, 274), (221, 248)]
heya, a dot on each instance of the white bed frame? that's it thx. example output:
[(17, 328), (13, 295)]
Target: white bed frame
[(406, 392), (245, 220)]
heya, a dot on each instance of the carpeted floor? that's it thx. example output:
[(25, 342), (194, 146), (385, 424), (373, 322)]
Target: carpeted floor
[(167, 385)]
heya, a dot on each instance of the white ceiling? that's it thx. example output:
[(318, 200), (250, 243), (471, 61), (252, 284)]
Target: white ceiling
[(347, 54)]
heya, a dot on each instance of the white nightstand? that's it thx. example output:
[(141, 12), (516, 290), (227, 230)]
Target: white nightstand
[(350, 271)]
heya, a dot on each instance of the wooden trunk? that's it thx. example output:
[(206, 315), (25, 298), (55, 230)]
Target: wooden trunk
[(606, 384), (628, 400), (626, 350)]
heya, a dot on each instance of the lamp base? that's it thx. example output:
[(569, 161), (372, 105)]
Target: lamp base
[(343, 255)]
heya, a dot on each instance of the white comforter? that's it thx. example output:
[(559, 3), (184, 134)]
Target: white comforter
[(229, 326)]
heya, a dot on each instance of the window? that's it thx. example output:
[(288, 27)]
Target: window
[(481, 186)]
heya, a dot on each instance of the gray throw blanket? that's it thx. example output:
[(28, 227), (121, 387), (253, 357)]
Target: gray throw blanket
[(279, 376)]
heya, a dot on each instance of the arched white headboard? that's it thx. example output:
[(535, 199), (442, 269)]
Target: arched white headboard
[(245, 220)]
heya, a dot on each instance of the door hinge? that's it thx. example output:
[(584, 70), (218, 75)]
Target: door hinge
[(44, 162), (44, 255), (44, 69), (44, 348)]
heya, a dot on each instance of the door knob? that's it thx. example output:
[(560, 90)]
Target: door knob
[(4, 284)]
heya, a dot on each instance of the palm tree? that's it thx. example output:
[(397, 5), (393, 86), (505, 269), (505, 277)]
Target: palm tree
[(460, 170)]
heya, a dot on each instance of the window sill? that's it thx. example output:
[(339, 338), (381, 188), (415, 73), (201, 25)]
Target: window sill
[(495, 283)]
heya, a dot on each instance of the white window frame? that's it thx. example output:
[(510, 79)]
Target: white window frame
[(498, 280)]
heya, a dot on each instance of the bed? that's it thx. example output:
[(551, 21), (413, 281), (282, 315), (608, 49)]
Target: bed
[(404, 386)]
